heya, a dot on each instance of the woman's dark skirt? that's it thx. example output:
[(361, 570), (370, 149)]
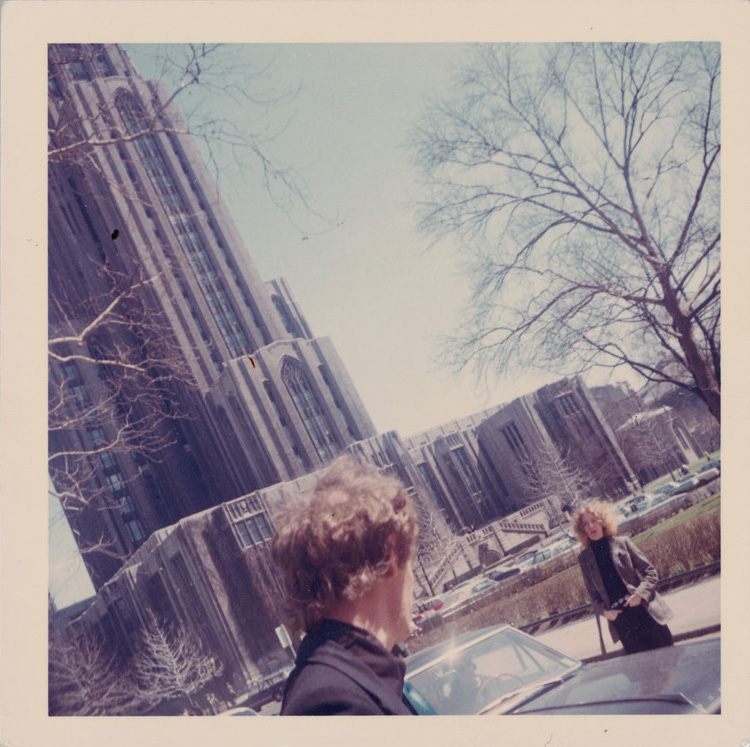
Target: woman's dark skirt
[(639, 631)]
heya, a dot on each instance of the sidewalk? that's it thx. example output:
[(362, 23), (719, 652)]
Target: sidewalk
[(695, 607)]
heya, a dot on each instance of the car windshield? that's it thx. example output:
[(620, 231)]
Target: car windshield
[(486, 672)]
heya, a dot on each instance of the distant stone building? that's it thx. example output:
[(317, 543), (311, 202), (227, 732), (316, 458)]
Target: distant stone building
[(704, 429), (655, 439), (552, 443), (452, 462)]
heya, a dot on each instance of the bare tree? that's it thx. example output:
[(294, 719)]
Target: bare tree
[(556, 479), (170, 663), (113, 375), (204, 79), (433, 540), (87, 680), (583, 181), (650, 444)]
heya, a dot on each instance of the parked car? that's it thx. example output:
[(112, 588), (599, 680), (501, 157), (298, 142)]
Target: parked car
[(563, 545), (637, 505), (683, 486), (501, 670), (679, 486), (706, 475), (664, 498), (539, 557), (713, 464), (500, 574), (456, 596), (427, 608), (484, 585)]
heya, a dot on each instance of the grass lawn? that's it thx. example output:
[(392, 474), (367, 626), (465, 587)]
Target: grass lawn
[(704, 508)]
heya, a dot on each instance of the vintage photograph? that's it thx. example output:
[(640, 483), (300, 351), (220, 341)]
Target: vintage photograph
[(271, 268), (364, 358)]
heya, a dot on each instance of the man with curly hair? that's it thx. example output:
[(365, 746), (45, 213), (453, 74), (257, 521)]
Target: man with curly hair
[(620, 581), (345, 561)]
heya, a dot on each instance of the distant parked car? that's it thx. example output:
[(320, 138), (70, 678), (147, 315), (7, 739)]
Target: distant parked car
[(484, 585), (713, 464), (637, 504), (539, 557), (684, 486), (500, 574), (677, 486), (563, 546), (501, 670), (665, 498), (706, 475)]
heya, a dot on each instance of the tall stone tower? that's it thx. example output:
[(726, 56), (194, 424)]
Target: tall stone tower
[(179, 379)]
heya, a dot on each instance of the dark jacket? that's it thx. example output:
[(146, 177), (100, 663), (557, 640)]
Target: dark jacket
[(343, 670), (637, 573)]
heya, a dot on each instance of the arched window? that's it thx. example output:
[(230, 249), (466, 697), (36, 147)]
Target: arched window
[(309, 409)]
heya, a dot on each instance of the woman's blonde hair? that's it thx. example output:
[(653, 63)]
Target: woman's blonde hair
[(602, 510), (336, 544)]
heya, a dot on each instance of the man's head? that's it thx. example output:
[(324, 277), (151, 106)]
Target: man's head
[(339, 543)]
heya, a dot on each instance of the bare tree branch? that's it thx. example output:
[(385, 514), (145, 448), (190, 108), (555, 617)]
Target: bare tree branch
[(581, 181)]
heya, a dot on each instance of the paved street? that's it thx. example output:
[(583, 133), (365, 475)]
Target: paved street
[(694, 607)]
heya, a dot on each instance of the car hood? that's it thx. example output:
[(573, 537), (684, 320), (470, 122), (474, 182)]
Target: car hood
[(677, 679)]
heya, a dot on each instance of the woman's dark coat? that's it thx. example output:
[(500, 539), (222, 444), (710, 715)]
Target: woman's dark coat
[(637, 573)]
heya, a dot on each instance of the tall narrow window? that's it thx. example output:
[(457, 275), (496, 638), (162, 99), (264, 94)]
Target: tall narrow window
[(515, 440), (286, 318), (309, 409), (186, 227)]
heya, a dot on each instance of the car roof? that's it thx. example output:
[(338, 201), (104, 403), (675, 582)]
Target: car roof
[(679, 678)]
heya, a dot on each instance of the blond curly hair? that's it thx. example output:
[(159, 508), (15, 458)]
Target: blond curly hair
[(602, 510), (336, 544)]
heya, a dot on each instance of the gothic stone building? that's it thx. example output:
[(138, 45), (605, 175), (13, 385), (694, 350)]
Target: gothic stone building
[(245, 395)]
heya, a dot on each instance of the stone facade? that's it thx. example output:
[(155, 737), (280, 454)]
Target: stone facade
[(257, 399), (654, 437)]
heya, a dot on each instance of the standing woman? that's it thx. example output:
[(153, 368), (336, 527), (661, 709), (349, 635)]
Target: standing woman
[(620, 581)]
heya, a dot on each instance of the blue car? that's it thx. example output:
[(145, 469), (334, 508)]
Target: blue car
[(501, 670)]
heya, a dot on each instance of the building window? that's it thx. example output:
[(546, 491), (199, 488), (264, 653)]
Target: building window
[(286, 318), (97, 437), (115, 482), (308, 407), (104, 66), (466, 469), (254, 531), (53, 86), (126, 505), (135, 530), (515, 440), (567, 404), (107, 461)]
